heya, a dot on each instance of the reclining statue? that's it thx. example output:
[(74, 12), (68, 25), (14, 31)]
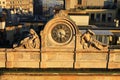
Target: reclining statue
[(30, 42), (88, 41)]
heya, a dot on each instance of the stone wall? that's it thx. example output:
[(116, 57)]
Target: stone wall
[(114, 59), (2, 58), (26, 58), (23, 59), (57, 60), (91, 59)]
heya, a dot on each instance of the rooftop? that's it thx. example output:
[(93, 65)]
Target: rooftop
[(93, 27)]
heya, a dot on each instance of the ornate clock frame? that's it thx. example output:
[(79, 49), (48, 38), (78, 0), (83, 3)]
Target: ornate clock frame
[(60, 34)]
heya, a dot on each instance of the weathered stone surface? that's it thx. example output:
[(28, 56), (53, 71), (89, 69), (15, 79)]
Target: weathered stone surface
[(57, 56), (2, 58), (19, 56), (88, 42), (61, 42), (91, 56), (114, 59), (68, 33), (57, 60), (91, 59), (22, 64), (57, 64), (2, 64), (90, 64), (23, 58), (30, 42)]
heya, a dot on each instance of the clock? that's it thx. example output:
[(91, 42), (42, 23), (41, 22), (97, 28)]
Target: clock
[(61, 33)]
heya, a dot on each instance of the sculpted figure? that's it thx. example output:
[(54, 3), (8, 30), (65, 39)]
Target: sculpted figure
[(30, 42), (61, 13), (88, 41)]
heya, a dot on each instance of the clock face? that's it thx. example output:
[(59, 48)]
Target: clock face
[(61, 33)]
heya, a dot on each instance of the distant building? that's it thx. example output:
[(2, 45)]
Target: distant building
[(101, 12), (2, 21), (2, 3), (118, 3), (25, 5), (0, 10), (37, 7), (102, 17), (51, 7), (80, 19), (89, 3), (70, 4), (98, 3)]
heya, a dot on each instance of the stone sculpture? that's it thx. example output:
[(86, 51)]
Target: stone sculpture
[(30, 42), (61, 13), (88, 41), (61, 33)]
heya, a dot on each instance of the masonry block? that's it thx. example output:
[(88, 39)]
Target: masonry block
[(93, 59)]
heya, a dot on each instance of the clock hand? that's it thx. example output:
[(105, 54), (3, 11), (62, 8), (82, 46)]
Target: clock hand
[(62, 34), (60, 39)]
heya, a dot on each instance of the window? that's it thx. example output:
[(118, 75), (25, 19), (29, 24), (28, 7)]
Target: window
[(107, 39), (98, 17), (109, 18), (115, 1), (92, 16), (103, 38), (99, 38), (103, 17), (79, 1)]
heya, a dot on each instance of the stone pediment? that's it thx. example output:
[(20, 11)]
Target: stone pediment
[(61, 34)]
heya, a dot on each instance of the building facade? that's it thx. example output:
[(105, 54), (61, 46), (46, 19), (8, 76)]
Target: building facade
[(98, 14), (37, 7), (118, 7), (26, 5), (93, 3), (70, 4), (118, 3), (102, 17), (96, 3), (2, 3)]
